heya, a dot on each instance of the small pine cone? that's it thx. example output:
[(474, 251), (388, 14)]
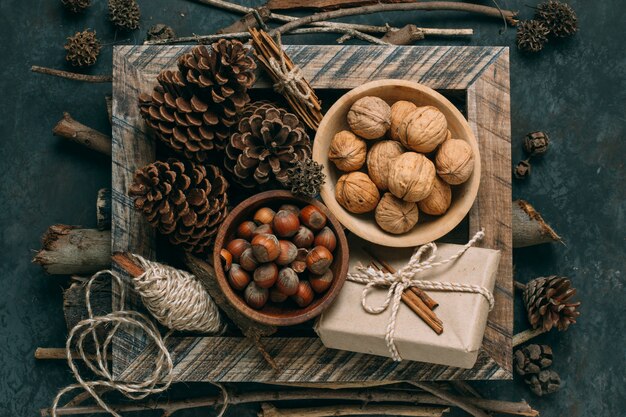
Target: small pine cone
[(532, 359), (184, 201), (76, 6), (522, 170), (222, 74), (306, 178), (83, 48), (559, 18), (547, 303), (124, 14), (532, 35), (268, 142), (536, 143), (543, 383), (160, 32)]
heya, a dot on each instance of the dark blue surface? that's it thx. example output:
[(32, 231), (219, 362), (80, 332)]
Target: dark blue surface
[(575, 91)]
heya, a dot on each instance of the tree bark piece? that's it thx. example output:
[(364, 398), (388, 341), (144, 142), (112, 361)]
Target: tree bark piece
[(70, 250), (72, 75), (268, 410), (77, 132), (324, 4), (103, 209), (529, 228), (249, 20)]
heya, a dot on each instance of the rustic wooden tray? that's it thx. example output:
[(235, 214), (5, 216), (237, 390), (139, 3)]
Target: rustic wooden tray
[(477, 76)]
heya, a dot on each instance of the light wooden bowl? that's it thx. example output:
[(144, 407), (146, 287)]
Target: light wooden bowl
[(287, 313), (364, 225)]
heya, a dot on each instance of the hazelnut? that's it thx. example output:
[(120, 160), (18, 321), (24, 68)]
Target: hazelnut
[(248, 261), (356, 193), (255, 296), (304, 238), (285, 223), (423, 129), (411, 177), (378, 159), (264, 215), (264, 229), (320, 283), (277, 296), (287, 281), (319, 260), (238, 277), (290, 207), (439, 199), (347, 151), (246, 229), (396, 216), (265, 247), (326, 238), (312, 217), (227, 259), (288, 252), (369, 117), (304, 296), (236, 248), (266, 275), (399, 110), (299, 265), (455, 161)]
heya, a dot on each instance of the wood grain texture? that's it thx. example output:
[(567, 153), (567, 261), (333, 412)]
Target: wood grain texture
[(479, 73)]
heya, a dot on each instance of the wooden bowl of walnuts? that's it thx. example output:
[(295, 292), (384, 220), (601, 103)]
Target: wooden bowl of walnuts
[(280, 259), (402, 163)]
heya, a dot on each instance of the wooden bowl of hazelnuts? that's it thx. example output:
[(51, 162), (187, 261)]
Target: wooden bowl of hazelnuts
[(401, 162), (280, 259)]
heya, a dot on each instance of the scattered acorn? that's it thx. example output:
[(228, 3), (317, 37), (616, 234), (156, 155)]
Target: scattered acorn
[(266, 275), (265, 247), (303, 238), (288, 252), (264, 215), (246, 230), (312, 217), (236, 248), (238, 277), (287, 281), (290, 207), (277, 296), (248, 261), (264, 229), (321, 283), (285, 223), (319, 260), (255, 296), (326, 238), (304, 294)]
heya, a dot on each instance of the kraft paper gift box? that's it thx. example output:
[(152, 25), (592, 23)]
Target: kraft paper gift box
[(347, 326)]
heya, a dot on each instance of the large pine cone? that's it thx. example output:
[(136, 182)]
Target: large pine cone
[(184, 201), (268, 142), (547, 302), (532, 359)]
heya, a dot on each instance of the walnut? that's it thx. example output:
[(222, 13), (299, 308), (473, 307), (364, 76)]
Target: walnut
[(399, 111), (378, 159), (370, 117), (423, 129), (356, 193), (396, 216), (455, 161), (347, 151), (439, 199), (411, 177)]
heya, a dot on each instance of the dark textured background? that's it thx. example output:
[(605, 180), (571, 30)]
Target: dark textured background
[(574, 90)]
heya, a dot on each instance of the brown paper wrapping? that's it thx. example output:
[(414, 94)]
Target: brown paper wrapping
[(347, 326)]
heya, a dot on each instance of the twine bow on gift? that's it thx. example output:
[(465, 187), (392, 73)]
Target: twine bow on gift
[(404, 278)]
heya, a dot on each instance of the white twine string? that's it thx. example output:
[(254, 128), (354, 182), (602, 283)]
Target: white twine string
[(173, 296), (403, 279), (290, 81)]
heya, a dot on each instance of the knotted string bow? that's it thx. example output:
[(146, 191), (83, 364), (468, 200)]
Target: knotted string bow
[(404, 278), (291, 81)]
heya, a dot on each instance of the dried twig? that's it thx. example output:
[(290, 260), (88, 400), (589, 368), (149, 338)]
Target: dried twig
[(72, 75), (77, 132), (268, 410), (42, 353), (457, 401), (523, 337), (324, 4)]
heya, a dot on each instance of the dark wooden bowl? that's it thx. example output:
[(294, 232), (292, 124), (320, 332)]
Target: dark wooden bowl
[(287, 313)]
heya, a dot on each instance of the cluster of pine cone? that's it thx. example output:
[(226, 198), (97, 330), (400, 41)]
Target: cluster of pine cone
[(552, 19)]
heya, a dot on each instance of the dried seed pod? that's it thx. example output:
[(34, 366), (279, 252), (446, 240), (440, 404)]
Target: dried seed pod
[(522, 169), (248, 261), (265, 247), (76, 6), (455, 161), (326, 238), (396, 216), (347, 151), (285, 223), (357, 193), (246, 229), (304, 238), (532, 35), (264, 215), (83, 48), (266, 275), (160, 32), (321, 283), (560, 18), (306, 178), (399, 110), (536, 143), (319, 260), (288, 252), (312, 217), (304, 296), (379, 158), (238, 278), (290, 207), (277, 296), (370, 117), (423, 129), (287, 281), (439, 199), (255, 296), (543, 383), (236, 248), (411, 177), (264, 229)]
